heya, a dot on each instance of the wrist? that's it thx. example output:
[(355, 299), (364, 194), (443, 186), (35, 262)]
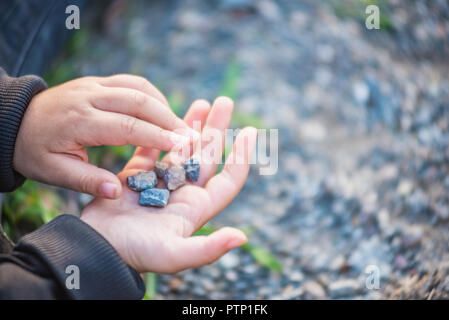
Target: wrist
[(15, 96)]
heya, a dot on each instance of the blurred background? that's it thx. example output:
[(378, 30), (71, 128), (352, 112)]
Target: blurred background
[(363, 138)]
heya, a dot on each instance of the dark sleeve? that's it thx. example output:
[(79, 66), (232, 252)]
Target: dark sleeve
[(36, 268), (15, 95)]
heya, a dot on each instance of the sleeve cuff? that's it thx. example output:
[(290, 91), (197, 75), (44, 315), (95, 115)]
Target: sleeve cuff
[(68, 241), (15, 95)]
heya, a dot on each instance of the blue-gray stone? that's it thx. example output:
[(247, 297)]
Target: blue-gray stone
[(142, 181), (175, 177), (160, 168), (192, 168), (154, 197)]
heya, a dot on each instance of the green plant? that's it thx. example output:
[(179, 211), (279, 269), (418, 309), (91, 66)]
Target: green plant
[(98, 155), (263, 257), (176, 101), (28, 208), (64, 69), (355, 9), (151, 286), (241, 120), (229, 86), (260, 255)]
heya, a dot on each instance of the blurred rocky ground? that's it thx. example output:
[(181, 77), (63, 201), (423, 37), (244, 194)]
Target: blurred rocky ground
[(363, 135)]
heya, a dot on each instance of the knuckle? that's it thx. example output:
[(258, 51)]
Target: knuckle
[(78, 114), (87, 183), (118, 76), (175, 122), (89, 79), (128, 126), (84, 83), (161, 134), (141, 82), (140, 99), (164, 138)]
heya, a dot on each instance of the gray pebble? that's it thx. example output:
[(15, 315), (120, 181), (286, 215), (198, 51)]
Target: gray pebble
[(175, 177), (344, 288), (231, 275), (296, 276), (142, 181), (160, 168), (313, 290), (229, 261), (154, 197), (192, 168)]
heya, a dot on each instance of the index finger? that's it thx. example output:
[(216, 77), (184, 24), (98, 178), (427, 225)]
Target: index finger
[(133, 82)]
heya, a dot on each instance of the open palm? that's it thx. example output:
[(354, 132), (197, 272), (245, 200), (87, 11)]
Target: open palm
[(160, 239)]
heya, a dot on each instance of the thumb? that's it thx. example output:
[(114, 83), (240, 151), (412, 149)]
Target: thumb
[(197, 251), (73, 173)]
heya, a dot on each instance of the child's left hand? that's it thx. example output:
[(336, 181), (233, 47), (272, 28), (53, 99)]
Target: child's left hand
[(160, 240)]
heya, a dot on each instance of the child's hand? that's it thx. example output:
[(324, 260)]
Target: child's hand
[(91, 111), (159, 240)]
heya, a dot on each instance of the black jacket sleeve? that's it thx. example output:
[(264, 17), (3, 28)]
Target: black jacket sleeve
[(15, 95), (43, 263)]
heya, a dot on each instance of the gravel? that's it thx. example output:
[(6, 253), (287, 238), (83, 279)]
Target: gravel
[(363, 121)]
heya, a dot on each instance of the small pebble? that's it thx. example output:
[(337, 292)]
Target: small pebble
[(160, 168), (175, 177), (400, 262), (192, 168), (229, 261), (313, 290), (231, 275), (344, 288), (176, 284), (154, 197), (142, 181)]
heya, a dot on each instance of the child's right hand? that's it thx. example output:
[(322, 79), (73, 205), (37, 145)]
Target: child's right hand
[(92, 111)]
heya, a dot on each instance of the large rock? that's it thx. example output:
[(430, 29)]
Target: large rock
[(154, 197), (192, 168), (344, 288), (142, 181), (175, 177), (160, 168)]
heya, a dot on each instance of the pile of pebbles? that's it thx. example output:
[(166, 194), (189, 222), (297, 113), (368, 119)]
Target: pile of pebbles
[(174, 177)]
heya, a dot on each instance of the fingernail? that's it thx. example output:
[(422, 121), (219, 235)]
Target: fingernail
[(108, 190)]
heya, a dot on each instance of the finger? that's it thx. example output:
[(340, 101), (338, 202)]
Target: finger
[(195, 118), (221, 189), (133, 82), (136, 104), (117, 129), (197, 114), (72, 173), (224, 187), (213, 137), (144, 158), (198, 251)]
